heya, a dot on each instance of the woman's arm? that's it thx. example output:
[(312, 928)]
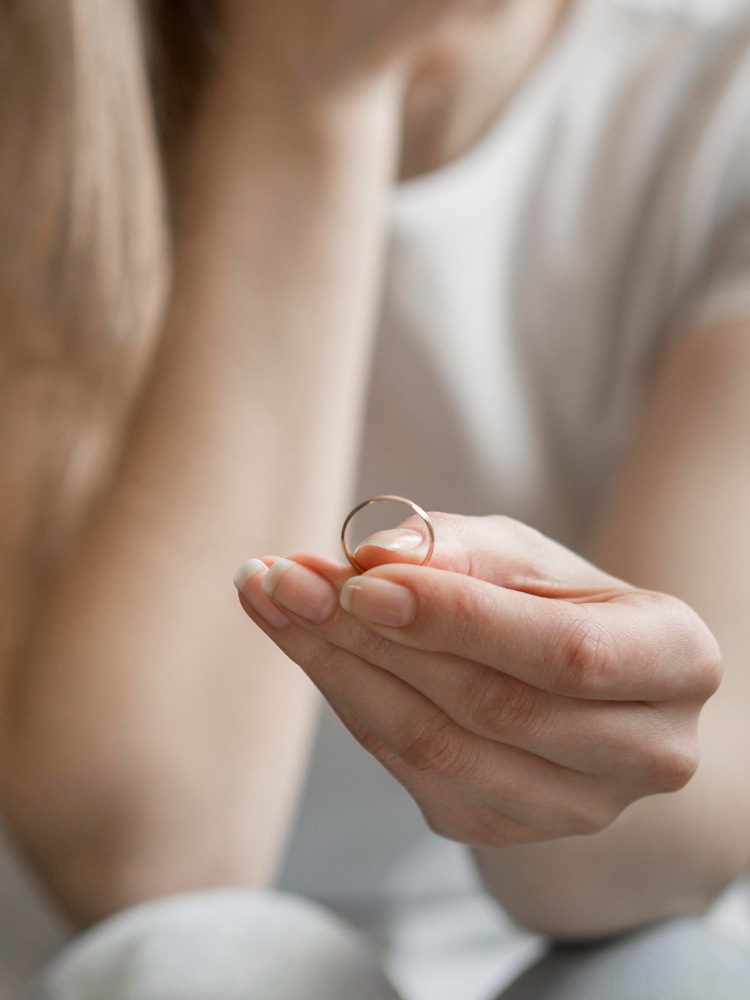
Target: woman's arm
[(149, 742), (523, 696), (677, 522)]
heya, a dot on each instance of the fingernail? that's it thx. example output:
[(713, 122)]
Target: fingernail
[(394, 540), (248, 580), (379, 601), (300, 590)]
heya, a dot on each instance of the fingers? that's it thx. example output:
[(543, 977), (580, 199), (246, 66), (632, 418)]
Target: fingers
[(530, 791), (594, 737), (248, 580), (448, 811), (637, 646), (537, 640), (496, 549), (625, 740)]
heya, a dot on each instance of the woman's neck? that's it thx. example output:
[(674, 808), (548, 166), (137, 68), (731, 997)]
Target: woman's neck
[(468, 74)]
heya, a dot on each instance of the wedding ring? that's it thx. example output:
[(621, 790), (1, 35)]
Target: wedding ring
[(407, 503)]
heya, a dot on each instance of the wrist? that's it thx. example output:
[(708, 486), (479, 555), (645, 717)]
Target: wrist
[(311, 58), (266, 84), (258, 125)]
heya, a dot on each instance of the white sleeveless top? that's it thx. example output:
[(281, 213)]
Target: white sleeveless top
[(530, 285)]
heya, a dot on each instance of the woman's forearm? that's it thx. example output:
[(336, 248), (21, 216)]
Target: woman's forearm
[(676, 522), (154, 742)]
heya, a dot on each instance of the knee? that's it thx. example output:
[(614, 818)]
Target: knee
[(230, 943)]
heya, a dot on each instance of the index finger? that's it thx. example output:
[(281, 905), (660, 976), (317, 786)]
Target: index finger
[(624, 648)]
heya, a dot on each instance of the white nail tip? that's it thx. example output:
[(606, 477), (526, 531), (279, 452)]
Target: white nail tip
[(345, 597), (247, 571), (275, 573)]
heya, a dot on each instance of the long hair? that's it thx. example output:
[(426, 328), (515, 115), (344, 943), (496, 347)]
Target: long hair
[(94, 99)]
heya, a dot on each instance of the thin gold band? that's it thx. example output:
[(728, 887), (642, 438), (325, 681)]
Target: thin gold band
[(407, 503)]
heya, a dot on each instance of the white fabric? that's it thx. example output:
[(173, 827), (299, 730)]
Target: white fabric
[(529, 287), (246, 945), (224, 945)]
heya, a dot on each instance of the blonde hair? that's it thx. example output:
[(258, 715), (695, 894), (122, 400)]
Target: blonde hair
[(93, 94)]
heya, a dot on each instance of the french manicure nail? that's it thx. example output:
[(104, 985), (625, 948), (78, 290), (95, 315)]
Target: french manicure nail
[(379, 601), (247, 580), (300, 590)]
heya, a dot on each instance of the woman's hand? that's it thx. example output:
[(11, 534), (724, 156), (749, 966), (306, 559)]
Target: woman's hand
[(327, 45), (519, 693)]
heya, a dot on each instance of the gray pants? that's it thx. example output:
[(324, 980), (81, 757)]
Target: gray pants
[(239, 945)]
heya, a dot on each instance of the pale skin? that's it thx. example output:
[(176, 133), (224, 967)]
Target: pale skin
[(142, 718), (512, 643)]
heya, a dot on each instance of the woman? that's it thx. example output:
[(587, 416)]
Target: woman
[(556, 329)]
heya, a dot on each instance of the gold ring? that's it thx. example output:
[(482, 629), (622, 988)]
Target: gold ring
[(407, 503)]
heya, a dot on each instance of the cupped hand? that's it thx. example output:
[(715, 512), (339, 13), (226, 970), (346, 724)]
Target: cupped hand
[(515, 690)]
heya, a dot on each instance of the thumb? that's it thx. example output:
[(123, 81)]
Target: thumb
[(495, 549)]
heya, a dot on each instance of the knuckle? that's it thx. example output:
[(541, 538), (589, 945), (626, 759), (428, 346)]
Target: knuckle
[(697, 647), (665, 755), (437, 824), (710, 663), (671, 769), (370, 742), (583, 656), (505, 706), (324, 661), (443, 825), (713, 668), (439, 749), (375, 648)]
